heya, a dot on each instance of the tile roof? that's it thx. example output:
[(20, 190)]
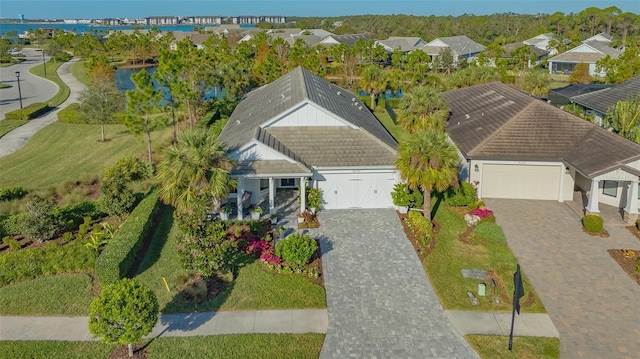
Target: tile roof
[(287, 93), (601, 101), (495, 121)]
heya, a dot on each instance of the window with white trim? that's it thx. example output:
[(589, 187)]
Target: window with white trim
[(610, 188), (264, 184), (287, 182)]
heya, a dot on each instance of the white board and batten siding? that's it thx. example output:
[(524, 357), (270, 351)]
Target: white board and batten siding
[(307, 115), (344, 189)]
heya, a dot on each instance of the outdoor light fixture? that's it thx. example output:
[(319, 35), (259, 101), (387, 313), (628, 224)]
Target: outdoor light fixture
[(19, 90), (476, 167), (44, 65)]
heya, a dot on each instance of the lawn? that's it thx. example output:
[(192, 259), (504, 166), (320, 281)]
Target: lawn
[(248, 346), (253, 288), (451, 255), (80, 72), (52, 75), (8, 125), (385, 118), (64, 295), (496, 347), (61, 152)]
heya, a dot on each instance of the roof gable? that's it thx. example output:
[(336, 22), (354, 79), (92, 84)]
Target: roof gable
[(494, 121), (460, 45)]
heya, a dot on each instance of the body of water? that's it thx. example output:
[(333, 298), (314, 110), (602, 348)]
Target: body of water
[(82, 28)]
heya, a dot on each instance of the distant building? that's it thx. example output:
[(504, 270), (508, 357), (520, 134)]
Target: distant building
[(589, 52), (162, 20), (204, 20), (244, 20)]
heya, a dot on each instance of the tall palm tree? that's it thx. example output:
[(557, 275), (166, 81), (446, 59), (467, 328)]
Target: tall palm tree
[(374, 81), (195, 170), (624, 118), (428, 161), (423, 107)]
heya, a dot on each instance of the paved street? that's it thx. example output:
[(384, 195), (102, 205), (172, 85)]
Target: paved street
[(380, 301), (34, 89), (591, 300)]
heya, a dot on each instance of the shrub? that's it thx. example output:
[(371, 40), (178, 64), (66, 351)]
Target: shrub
[(71, 114), (40, 221), (464, 195), (593, 223), (490, 232), (71, 217), (637, 265), (314, 198), (13, 244), (47, 260), (485, 214), (11, 193), (638, 224), (117, 197), (400, 195), (32, 111), (208, 250), (420, 226), (13, 225), (297, 249), (118, 256)]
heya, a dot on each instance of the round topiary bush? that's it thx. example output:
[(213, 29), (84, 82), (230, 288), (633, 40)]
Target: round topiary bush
[(297, 249), (593, 223)]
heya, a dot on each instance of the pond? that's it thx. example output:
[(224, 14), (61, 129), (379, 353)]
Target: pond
[(386, 94)]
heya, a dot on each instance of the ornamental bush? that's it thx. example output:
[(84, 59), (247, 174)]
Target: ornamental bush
[(71, 114), (419, 225), (32, 111), (593, 223), (11, 193), (118, 256), (297, 249), (464, 195), (40, 221), (490, 232)]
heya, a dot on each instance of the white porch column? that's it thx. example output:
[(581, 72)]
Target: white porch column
[(272, 196), (631, 208), (240, 192), (592, 205), (303, 194)]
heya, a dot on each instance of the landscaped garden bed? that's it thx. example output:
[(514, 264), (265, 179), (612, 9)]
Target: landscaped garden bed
[(628, 260)]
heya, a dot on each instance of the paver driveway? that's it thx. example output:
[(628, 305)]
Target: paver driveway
[(593, 303), (380, 301)]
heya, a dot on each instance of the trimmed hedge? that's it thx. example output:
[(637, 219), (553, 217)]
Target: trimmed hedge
[(464, 195), (71, 114), (593, 223), (32, 111), (120, 253)]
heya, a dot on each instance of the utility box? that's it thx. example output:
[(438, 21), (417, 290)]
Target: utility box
[(482, 288)]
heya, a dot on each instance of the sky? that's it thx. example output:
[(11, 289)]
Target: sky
[(79, 9)]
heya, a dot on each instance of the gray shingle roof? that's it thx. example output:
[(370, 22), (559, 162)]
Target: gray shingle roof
[(270, 168), (292, 90), (495, 121), (587, 57), (601, 101), (404, 43), (349, 39), (460, 45), (509, 48)]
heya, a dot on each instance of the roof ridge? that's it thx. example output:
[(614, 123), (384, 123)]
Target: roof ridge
[(305, 91)]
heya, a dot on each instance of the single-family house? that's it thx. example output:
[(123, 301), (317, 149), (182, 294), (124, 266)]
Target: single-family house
[(349, 39), (588, 52), (302, 129), (541, 42), (405, 44), (196, 38), (597, 104), (562, 96), (462, 48), (515, 146), (509, 50)]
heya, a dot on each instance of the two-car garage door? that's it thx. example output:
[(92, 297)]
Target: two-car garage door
[(520, 181), (357, 189)]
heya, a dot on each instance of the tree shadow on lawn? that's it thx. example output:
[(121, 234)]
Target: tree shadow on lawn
[(154, 245)]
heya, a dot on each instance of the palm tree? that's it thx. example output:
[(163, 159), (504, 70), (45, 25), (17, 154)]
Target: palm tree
[(374, 81), (428, 161), (195, 170), (624, 118), (423, 107)]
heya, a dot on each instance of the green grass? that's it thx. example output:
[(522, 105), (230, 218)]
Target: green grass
[(496, 347), (4, 86), (52, 75), (299, 346), (80, 72), (64, 295), (451, 255), (61, 152), (396, 130), (253, 288), (8, 125)]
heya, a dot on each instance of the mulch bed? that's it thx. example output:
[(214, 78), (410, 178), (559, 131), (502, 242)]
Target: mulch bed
[(139, 352), (422, 251), (628, 264), (634, 230), (603, 234)]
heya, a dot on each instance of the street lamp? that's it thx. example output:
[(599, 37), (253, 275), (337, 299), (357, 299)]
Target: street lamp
[(19, 90), (44, 65)]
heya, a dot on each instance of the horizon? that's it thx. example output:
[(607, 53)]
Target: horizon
[(98, 9)]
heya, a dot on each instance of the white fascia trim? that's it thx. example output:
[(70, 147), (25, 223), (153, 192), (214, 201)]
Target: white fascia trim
[(527, 163), (274, 175), (277, 117), (269, 149)]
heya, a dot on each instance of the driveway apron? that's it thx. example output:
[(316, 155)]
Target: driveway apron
[(591, 300), (380, 301)]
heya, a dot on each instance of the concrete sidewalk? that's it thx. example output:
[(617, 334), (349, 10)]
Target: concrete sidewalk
[(499, 323), (173, 325)]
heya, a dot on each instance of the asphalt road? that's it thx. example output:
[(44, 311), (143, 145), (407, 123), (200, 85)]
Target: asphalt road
[(33, 88)]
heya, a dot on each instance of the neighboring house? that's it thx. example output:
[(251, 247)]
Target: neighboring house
[(197, 39), (462, 47), (539, 53), (588, 52), (348, 40), (317, 32), (302, 128), (515, 146), (541, 42), (310, 40), (405, 44), (562, 96), (597, 104)]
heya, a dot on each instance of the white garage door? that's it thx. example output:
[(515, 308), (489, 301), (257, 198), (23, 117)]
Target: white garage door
[(357, 190), (520, 181)]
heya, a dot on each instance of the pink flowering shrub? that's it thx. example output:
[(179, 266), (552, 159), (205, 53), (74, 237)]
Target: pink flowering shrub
[(485, 214)]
